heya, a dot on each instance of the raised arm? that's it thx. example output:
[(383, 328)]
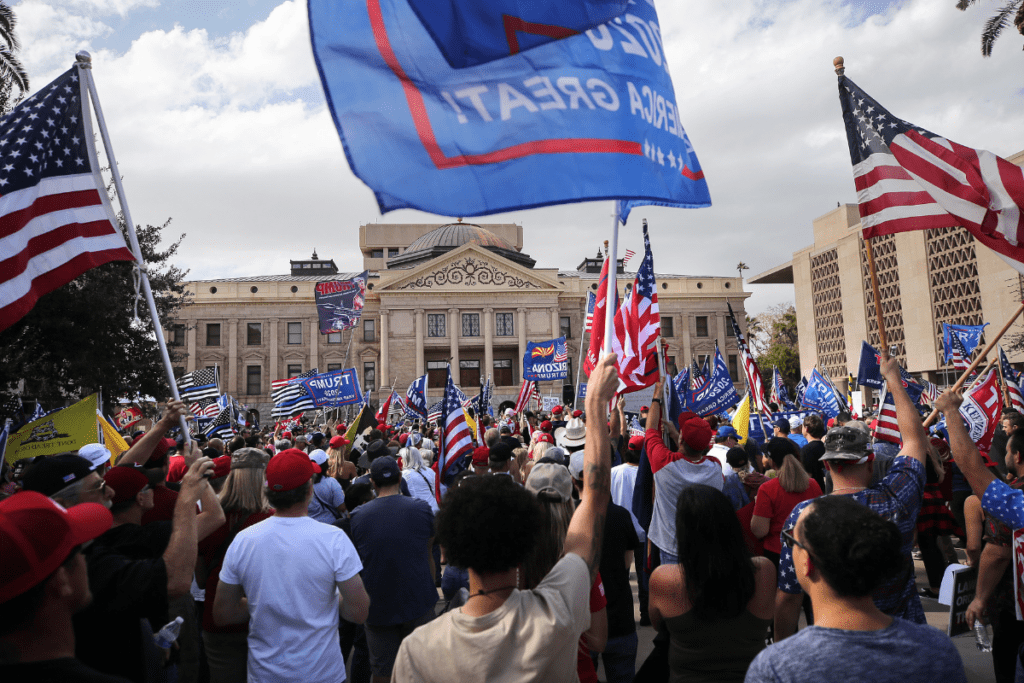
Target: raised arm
[(965, 453), (180, 555), (915, 439), (586, 530), (140, 452)]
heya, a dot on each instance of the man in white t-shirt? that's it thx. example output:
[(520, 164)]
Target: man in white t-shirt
[(285, 574), (725, 438)]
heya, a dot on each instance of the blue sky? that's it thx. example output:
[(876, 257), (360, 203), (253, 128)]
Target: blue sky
[(219, 122)]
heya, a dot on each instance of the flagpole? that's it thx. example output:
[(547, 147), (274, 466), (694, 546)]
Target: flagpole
[(1002, 378), (613, 280), (579, 360), (977, 361), (84, 62)]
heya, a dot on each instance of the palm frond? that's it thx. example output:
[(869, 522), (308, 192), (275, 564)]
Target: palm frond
[(12, 69), (995, 25), (964, 4), (7, 24)]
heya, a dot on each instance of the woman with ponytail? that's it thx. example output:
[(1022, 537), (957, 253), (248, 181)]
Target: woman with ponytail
[(777, 497)]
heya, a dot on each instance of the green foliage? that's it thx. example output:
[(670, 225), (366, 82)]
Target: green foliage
[(774, 343), (12, 73)]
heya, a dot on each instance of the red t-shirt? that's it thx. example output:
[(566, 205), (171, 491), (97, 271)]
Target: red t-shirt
[(754, 544), (775, 503), (176, 468), (584, 664)]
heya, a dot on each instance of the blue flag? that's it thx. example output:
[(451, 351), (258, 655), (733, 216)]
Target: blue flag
[(678, 400), (821, 395), (545, 361), (798, 393), (869, 371), (970, 337), (718, 393), (334, 389), (588, 117), (469, 32), (416, 397)]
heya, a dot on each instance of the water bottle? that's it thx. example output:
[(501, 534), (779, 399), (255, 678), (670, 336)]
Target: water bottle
[(169, 633), (983, 636)]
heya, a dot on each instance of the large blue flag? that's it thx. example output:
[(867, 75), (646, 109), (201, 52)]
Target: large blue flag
[(416, 397), (588, 117), (469, 32), (678, 400), (970, 337), (821, 395), (718, 394)]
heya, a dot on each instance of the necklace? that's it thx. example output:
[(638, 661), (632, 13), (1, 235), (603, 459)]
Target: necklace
[(493, 590), (849, 488)]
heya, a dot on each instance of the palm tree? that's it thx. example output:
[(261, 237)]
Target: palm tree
[(997, 22), (12, 72)]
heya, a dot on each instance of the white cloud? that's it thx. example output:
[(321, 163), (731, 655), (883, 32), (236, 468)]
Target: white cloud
[(230, 136)]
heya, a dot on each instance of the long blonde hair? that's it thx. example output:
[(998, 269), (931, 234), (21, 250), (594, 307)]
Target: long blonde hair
[(335, 460), (243, 491), (792, 475)]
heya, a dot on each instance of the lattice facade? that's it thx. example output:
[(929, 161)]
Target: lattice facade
[(887, 266), (830, 336), (953, 276)]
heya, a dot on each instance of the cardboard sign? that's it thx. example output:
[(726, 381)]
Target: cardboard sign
[(964, 583)]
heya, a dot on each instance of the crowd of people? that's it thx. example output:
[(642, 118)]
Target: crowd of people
[(295, 555)]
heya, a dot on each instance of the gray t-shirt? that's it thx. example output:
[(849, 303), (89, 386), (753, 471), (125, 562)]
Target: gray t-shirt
[(904, 652)]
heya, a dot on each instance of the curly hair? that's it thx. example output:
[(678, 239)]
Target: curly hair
[(488, 527), (853, 547)]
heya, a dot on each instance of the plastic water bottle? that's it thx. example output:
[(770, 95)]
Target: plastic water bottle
[(169, 633), (983, 636)]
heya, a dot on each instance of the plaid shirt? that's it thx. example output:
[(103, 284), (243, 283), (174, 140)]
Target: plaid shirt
[(896, 498)]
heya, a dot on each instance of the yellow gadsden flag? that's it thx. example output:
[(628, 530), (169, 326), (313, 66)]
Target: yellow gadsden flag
[(66, 430), (741, 419), (114, 442)]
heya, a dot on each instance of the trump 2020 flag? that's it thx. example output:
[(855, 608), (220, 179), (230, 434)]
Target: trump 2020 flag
[(469, 32), (588, 117), (821, 395), (339, 303), (545, 361), (969, 335)]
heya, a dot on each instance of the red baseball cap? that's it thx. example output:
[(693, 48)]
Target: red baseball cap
[(577, 413), (481, 455), (544, 437), (402, 438), (176, 468), (557, 410), (637, 441), (695, 431), (221, 466), (290, 469), (126, 481), (338, 441), (37, 535), (545, 426)]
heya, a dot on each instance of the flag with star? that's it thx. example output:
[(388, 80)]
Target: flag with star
[(55, 219), (638, 327)]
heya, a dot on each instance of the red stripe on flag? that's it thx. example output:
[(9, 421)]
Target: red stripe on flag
[(16, 220), (514, 24), (41, 244)]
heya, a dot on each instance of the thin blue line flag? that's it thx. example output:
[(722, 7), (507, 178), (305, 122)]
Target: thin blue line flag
[(588, 117)]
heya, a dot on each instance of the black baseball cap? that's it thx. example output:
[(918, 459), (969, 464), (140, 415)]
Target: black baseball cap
[(50, 474)]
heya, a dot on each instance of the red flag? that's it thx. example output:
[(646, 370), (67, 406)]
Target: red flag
[(385, 408), (598, 329), (981, 409), (526, 391)]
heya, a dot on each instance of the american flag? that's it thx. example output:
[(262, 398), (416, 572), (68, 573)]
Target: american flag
[(887, 428), (55, 220), (750, 369), (561, 352), (416, 398), (780, 395), (456, 436), (199, 384), (959, 354), (385, 408), (204, 408), (629, 254), (910, 179), (637, 328), (434, 412), (1012, 381), (597, 331), (634, 427), (222, 425), (929, 393), (37, 413), (526, 392), (290, 397), (589, 320)]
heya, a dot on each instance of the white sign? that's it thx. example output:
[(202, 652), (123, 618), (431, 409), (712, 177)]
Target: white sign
[(551, 401), (638, 399), (858, 402)]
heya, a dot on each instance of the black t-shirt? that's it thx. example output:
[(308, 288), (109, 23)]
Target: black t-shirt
[(810, 455), (128, 580), (65, 670), (619, 537)]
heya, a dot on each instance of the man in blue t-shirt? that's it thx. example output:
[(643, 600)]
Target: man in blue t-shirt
[(841, 552), (394, 535)]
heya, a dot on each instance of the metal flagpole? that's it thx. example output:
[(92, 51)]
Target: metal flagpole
[(84, 63), (613, 280), (579, 360)]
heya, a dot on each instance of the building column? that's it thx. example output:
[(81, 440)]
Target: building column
[(314, 343), (232, 387), (521, 326), (273, 360), (687, 342), (721, 333), (385, 365), (420, 333), (554, 322), (454, 330), (488, 344), (190, 347)]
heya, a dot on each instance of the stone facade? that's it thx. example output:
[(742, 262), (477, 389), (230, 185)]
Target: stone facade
[(469, 306)]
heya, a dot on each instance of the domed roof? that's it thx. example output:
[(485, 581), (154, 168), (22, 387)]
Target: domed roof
[(452, 236)]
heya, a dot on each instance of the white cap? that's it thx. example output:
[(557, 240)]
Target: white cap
[(795, 422), (95, 453), (319, 456), (576, 465)]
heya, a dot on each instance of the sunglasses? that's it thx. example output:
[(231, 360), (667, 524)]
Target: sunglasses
[(102, 486), (790, 541)]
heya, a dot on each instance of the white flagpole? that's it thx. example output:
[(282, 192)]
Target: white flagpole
[(84, 62), (613, 279), (579, 360)]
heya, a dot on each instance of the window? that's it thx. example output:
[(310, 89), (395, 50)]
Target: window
[(670, 365), (564, 323), (254, 334), (569, 377), (470, 324), (666, 327), (178, 372), (213, 334), (369, 376), (253, 380), (176, 335), (376, 253), (334, 337), (331, 367), (729, 331), (294, 333), (294, 370), (503, 373), (392, 252), (469, 371), (702, 326), (733, 368), (369, 325), (436, 325), (437, 374), (504, 325)]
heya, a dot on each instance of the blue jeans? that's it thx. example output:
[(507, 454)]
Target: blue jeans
[(668, 558), (619, 658)]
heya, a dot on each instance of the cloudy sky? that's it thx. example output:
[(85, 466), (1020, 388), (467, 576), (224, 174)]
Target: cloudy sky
[(219, 122)]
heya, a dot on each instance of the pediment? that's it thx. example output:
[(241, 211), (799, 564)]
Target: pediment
[(470, 267)]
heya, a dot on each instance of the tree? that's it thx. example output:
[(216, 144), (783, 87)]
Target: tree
[(774, 343), (12, 73), (83, 336), (997, 22)]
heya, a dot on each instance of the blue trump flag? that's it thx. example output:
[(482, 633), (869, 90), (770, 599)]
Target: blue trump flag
[(678, 400), (869, 371), (469, 32), (545, 361), (416, 397), (584, 118), (718, 394), (821, 395), (334, 389), (970, 336)]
